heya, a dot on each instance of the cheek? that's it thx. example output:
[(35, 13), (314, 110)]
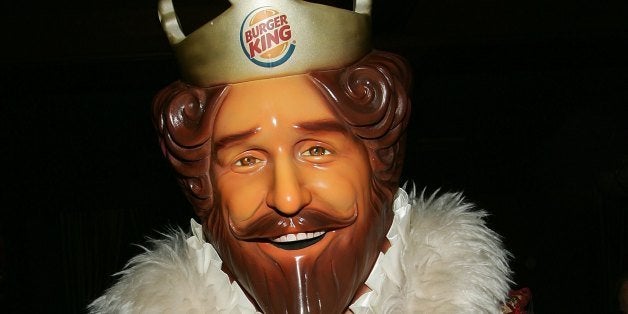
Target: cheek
[(240, 195), (342, 188)]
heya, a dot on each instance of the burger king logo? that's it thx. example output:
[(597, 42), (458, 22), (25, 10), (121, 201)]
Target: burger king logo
[(266, 37)]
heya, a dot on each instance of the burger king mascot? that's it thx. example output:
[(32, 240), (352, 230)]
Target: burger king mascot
[(287, 135)]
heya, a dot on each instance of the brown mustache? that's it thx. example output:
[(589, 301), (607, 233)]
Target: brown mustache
[(272, 224)]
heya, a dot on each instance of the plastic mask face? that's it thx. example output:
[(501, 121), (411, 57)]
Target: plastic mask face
[(296, 227)]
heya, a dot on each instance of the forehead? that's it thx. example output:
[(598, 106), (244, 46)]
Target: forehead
[(284, 100)]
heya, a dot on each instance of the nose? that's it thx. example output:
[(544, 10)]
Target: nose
[(287, 195)]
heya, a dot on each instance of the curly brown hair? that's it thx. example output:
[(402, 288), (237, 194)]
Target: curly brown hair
[(370, 96)]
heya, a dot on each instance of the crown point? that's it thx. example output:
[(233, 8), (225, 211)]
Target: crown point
[(170, 21), (362, 6)]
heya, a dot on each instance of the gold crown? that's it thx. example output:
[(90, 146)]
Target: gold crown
[(256, 39)]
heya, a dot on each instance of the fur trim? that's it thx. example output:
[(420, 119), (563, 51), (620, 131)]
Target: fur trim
[(443, 259), (177, 276)]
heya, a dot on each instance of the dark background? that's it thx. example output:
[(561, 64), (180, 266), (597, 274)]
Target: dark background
[(520, 104)]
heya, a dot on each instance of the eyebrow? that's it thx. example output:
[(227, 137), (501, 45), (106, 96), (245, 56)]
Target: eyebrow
[(234, 138), (321, 126), (307, 126)]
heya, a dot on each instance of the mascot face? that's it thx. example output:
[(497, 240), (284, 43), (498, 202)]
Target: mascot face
[(296, 223)]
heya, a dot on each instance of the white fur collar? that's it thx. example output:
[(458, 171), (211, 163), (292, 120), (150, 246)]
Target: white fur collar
[(443, 259)]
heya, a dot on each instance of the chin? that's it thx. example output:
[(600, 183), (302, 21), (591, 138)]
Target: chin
[(316, 279), (320, 274)]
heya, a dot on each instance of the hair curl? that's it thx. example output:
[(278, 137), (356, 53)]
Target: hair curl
[(370, 96)]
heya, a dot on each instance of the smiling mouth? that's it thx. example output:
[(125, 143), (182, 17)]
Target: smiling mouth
[(297, 241)]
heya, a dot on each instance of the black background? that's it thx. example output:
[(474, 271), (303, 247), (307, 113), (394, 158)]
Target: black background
[(520, 104)]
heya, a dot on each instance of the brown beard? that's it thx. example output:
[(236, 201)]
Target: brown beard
[(324, 279)]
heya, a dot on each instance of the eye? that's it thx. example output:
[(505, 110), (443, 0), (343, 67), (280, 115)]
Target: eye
[(247, 161), (316, 151)]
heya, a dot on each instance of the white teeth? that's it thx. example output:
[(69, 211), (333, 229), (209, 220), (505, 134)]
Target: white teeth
[(298, 237)]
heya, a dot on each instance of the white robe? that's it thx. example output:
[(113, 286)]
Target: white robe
[(442, 259)]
